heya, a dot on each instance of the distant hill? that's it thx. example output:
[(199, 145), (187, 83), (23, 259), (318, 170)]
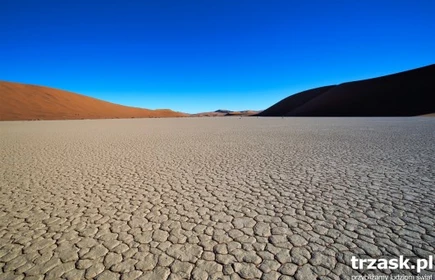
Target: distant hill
[(30, 102), (408, 93), (242, 113), (223, 113)]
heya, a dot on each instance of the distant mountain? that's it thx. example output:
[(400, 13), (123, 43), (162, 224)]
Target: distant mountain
[(408, 93), (242, 113), (29, 102), (223, 113)]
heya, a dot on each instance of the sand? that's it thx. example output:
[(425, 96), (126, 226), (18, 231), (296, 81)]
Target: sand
[(31, 102), (408, 93), (213, 198)]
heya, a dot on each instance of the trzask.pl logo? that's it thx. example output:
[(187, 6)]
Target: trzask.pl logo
[(400, 263)]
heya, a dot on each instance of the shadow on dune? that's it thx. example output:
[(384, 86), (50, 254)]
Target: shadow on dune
[(408, 93)]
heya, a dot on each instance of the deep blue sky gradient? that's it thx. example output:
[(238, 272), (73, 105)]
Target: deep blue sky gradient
[(205, 55)]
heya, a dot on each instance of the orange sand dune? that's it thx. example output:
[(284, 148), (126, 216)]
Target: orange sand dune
[(29, 102)]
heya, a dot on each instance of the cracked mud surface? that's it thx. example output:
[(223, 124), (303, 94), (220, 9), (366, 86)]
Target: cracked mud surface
[(214, 198)]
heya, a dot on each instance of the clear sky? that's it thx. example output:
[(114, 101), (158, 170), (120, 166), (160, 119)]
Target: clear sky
[(203, 55)]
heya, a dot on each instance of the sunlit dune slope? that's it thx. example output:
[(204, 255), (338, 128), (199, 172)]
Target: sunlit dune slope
[(30, 102)]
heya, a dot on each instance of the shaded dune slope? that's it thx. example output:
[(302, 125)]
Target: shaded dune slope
[(30, 102), (408, 93), (294, 101)]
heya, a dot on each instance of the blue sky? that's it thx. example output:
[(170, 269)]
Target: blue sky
[(204, 55)]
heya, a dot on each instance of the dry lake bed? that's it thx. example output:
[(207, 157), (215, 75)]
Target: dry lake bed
[(214, 198)]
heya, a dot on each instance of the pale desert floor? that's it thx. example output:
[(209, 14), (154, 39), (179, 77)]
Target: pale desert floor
[(214, 198)]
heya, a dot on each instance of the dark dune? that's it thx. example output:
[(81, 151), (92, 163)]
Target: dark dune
[(408, 93), (294, 101), (29, 102)]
